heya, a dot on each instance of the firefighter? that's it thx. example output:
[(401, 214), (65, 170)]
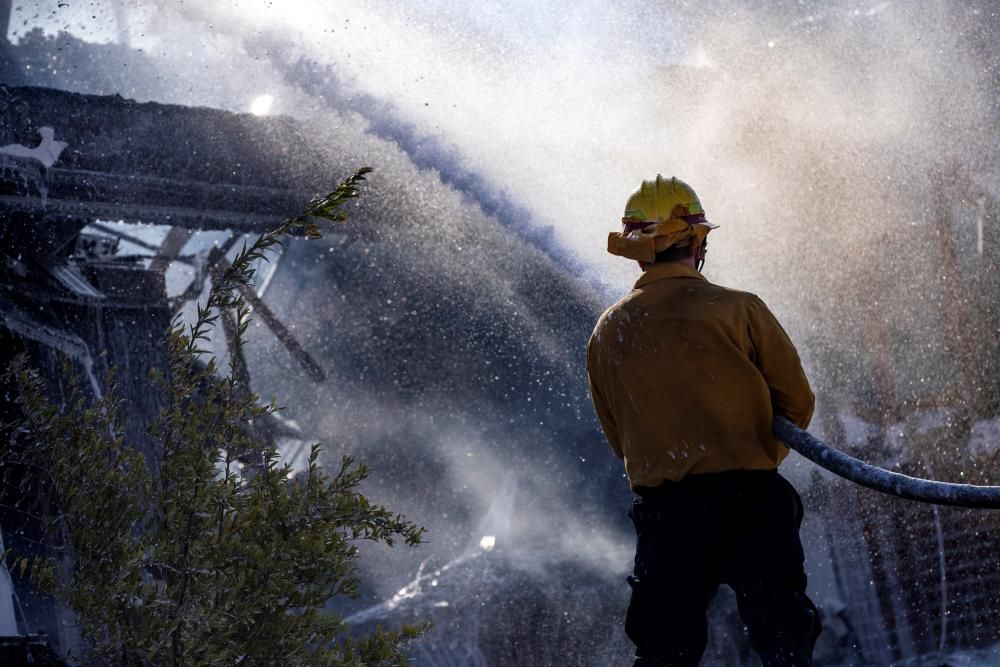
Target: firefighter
[(686, 377)]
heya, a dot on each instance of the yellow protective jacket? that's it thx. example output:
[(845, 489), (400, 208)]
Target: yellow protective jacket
[(686, 377)]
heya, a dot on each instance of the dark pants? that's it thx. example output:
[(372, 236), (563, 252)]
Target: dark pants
[(739, 527)]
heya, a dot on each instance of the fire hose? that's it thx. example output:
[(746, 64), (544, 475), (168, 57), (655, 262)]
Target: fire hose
[(873, 477)]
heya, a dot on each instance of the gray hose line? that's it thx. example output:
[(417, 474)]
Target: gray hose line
[(873, 477)]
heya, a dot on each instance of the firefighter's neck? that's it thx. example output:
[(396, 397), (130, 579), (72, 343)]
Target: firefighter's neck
[(687, 261)]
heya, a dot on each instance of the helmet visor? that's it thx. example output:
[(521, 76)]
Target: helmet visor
[(630, 225)]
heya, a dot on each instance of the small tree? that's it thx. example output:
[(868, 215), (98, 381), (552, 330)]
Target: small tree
[(215, 553)]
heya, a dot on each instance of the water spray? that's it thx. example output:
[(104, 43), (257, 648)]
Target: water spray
[(879, 479)]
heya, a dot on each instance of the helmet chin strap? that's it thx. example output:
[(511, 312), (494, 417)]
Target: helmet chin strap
[(699, 261)]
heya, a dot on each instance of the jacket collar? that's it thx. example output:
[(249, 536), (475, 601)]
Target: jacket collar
[(663, 270)]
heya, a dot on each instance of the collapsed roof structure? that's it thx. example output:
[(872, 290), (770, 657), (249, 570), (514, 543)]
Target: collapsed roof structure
[(94, 212)]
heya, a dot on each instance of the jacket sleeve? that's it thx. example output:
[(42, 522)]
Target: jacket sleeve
[(601, 406), (778, 361)]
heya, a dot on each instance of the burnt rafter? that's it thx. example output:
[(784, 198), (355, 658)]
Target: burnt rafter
[(86, 196), (218, 264), (61, 210), (282, 333)]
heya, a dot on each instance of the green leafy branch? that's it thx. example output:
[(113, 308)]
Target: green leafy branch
[(214, 551)]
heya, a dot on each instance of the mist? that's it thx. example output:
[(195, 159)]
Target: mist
[(827, 139)]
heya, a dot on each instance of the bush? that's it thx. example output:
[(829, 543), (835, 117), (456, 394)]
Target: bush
[(215, 552)]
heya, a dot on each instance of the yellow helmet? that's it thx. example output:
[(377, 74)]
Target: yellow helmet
[(660, 214), (659, 199)]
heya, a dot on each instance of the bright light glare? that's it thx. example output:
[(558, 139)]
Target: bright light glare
[(487, 543), (261, 105)]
